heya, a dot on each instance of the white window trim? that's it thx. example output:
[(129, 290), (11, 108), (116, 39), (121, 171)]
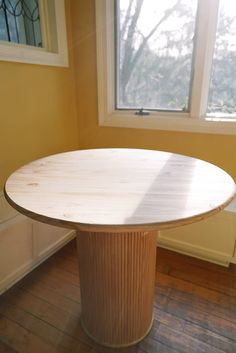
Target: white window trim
[(10, 51), (194, 121)]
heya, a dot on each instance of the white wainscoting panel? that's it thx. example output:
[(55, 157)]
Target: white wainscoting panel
[(212, 239), (25, 243)]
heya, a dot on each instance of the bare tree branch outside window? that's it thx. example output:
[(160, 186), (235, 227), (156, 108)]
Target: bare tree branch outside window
[(149, 51), (155, 51)]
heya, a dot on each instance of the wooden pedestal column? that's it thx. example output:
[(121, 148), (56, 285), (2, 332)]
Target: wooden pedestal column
[(117, 274)]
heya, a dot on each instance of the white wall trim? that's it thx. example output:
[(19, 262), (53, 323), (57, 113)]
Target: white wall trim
[(57, 245), (7, 213), (199, 252), (233, 260), (163, 121), (11, 221), (221, 227), (27, 267)]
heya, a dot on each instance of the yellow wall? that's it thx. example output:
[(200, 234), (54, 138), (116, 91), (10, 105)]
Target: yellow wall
[(218, 149), (37, 112)]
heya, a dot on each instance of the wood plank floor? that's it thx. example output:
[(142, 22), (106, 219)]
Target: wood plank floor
[(194, 310)]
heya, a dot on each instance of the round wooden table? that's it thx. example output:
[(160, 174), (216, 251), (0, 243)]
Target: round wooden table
[(117, 199)]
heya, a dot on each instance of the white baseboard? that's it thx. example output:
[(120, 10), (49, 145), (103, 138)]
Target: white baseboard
[(27, 267), (57, 245), (199, 252)]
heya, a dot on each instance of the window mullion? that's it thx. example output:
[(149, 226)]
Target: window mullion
[(204, 50), (105, 35), (45, 26), (111, 62)]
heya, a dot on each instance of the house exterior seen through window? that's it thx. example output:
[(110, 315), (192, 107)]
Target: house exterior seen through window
[(167, 64)]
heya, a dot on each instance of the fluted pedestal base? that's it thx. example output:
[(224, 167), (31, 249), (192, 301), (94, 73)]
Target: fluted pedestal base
[(117, 274)]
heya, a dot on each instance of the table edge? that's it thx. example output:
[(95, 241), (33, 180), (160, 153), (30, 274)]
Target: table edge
[(118, 228)]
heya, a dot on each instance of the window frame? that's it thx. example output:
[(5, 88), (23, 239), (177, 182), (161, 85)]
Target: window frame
[(196, 119), (54, 35)]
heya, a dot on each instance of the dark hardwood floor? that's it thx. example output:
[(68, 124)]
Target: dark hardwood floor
[(194, 311)]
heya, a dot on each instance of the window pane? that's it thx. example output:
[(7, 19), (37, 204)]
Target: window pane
[(222, 94), (20, 22), (154, 53), (3, 31)]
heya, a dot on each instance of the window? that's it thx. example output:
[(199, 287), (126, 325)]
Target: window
[(33, 31), (222, 93), (167, 65), (20, 22), (154, 45)]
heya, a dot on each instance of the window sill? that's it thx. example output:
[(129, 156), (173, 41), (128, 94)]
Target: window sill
[(32, 55), (170, 122)]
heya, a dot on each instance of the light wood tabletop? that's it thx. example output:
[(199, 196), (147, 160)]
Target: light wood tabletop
[(115, 189), (117, 199)]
